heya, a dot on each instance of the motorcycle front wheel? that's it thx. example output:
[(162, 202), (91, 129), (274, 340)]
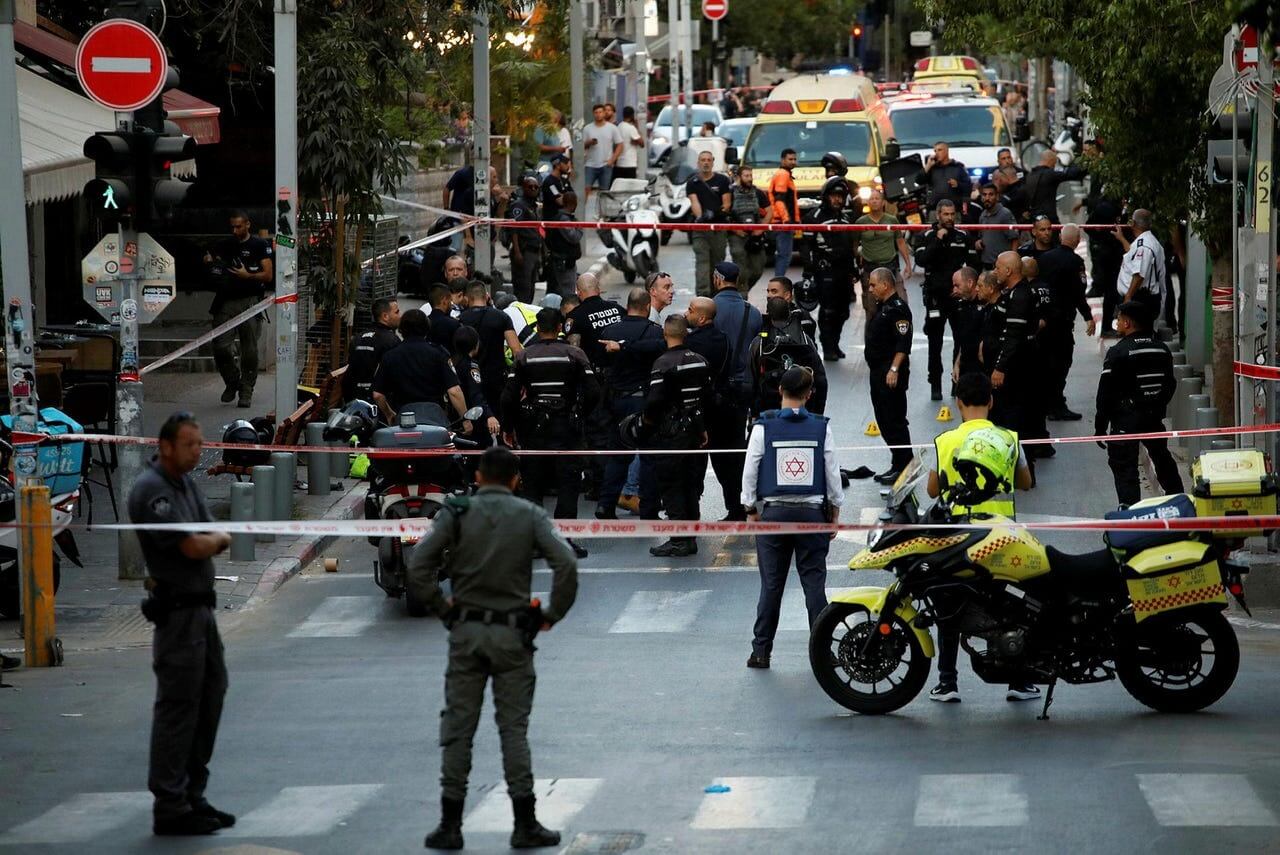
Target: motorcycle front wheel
[(1181, 663), (869, 679)]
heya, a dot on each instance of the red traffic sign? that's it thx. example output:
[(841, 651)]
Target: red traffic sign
[(714, 10), (121, 64), (1246, 53)]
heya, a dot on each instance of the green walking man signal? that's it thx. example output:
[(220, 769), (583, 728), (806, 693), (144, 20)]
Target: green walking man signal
[(109, 198)]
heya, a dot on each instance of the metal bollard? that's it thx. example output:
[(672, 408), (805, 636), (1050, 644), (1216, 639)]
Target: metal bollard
[(242, 497), (1187, 387), (1163, 332), (317, 462), (1179, 357), (1222, 445), (1181, 371), (284, 462), (41, 647), (1206, 417), (1192, 443), (264, 498)]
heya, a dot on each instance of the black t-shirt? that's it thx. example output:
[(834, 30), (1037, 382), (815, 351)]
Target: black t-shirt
[(462, 190), (229, 254), (587, 320), (710, 193), (367, 350), (552, 189), (491, 326), (415, 371), (443, 326)]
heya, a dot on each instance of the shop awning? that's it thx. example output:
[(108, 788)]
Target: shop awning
[(55, 123), (198, 119)]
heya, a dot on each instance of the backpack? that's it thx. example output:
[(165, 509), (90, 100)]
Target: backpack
[(778, 353)]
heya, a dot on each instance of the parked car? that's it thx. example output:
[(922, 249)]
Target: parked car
[(662, 134)]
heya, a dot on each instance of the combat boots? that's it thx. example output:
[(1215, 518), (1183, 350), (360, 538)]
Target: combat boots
[(448, 834), (529, 833)]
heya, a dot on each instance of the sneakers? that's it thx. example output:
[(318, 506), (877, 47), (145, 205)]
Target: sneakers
[(229, 393), (188, 824), (629, 503), (754, 661), (946, 693), (673, 549), (1022, 693)]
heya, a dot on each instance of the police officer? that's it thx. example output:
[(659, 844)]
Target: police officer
[(888, 354), (1034, 427), (526, 243), (1001, 457), (187, 656), (1063, 270), (1041, 238), (550, 387), (836, 165), (243, 268), (791, 476), (781, 345), (675, 408), (782, 286), (368, 348), (833, 262), (582, 328), (491, 539), (466, 346), (416, 371), (944, 250), (633, 343), (1134, 390), (1013, 359), (555, 186), (966, 323)]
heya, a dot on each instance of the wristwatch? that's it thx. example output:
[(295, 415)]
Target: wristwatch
[(893, 368)]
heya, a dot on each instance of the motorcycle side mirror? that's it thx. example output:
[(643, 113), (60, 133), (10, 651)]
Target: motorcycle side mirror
[(1021, 133), (731, 155), (892, 151), (472, 414)]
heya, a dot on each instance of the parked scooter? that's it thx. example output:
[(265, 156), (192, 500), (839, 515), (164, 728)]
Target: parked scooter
[(632, 251), (670, 198), (408, 487)]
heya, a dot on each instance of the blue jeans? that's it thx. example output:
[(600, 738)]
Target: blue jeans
[(599, 176), (773, 555), (617, 467), (782, 260), (632, 485)]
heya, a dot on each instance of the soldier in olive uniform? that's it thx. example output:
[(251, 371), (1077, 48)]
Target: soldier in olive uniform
[(187, 656), (491, 540)]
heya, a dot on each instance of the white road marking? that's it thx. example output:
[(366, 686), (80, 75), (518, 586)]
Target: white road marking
[(303, 811), (338, 617), (661, 611), (81, 818), (954, 801), (1203, 799), (756, 803), (559, 801), (794, 617)]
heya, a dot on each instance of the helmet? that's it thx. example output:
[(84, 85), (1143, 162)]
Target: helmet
[(632, 430), (243, 432), (984, 461), (835, 163), (806, 294), (356, 420), (835, 184)]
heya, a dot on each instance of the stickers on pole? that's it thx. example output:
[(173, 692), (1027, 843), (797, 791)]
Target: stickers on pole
[(101, 269)]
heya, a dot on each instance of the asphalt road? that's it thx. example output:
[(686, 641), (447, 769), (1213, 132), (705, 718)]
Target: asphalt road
[(328, 742)]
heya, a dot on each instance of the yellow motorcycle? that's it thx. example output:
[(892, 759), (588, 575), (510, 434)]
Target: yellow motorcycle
[(1147, 609)]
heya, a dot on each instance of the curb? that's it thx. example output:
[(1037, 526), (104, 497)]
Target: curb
[(283, 569)]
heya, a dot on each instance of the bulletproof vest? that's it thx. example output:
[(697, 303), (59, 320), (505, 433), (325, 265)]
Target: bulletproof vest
[(550, 377), (946, 444), (794, 448), (779, 352), (745, 204)]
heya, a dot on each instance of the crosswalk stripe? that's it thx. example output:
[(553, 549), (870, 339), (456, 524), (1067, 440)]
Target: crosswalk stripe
[(660, 611), (303, 811), (338, 617), (952, 801), (81, 818), (1204, 799), (780, 802), (794, 617), (559, 801)]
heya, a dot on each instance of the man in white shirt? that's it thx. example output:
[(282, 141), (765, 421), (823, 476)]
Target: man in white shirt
[(604, 146), (790, 475), (1142, 272), (632, 143)]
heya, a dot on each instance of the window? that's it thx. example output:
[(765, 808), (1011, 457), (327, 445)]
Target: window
[(976, 125), (811, 140)]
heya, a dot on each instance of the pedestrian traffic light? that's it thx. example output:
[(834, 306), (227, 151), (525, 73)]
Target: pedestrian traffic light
[(165, 191), (110, 196)]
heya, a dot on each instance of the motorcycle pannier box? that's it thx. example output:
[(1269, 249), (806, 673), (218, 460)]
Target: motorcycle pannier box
[(1126, 542), (60, 464), (411, 469), (1234, 484), (1173, 576)]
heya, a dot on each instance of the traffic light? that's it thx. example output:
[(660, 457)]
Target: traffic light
[(1222, 156), (134, 177), (165, 191), (111, 194)]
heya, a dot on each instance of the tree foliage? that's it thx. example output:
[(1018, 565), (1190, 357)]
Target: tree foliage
[(1147, 64), (790, 31)]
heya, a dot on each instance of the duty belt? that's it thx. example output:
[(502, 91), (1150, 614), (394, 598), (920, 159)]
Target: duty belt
[(515, 618)]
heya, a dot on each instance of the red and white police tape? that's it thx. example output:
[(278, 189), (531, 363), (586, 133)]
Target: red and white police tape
[(226, 327), (1257, 372)]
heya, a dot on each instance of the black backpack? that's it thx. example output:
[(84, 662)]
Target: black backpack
[(778, 353)]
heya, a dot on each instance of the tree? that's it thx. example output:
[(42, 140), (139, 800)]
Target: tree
[(790, 31)]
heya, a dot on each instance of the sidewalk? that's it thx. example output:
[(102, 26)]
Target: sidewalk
[(95, 610)]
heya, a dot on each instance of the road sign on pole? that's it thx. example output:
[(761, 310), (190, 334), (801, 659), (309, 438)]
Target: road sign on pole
[(715, 10), (104, 288), (121, 64)]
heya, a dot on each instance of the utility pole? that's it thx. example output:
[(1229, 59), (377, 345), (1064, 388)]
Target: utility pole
[(673, 62), (286, 225), (1263, 215), (641, 62), (577, 79), (480, 144), (687, 26), (715, 66)]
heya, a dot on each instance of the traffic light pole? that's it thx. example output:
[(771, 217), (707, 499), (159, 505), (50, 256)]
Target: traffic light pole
[(286, 252), (1264, 210), (482, 235)]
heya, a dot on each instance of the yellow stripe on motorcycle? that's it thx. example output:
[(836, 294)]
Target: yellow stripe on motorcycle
[(873, 599)]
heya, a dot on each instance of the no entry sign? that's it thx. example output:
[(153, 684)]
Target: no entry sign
[(714, 10), (121, 64)]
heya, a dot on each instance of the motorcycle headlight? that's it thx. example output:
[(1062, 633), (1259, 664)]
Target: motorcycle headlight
[(635, 203)]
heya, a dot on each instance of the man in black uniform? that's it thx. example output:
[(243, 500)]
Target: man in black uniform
[(780, 346), (443, 323), (1105, 250), (555, 185), (678, 398), (1012, 367), (550, 387), (466, 346), (1041, 238), (496, 331), (831, 256), (368, 349), (967, 315), (632, 345), (416, 371), (782, 286), (1134, 390), (1037, 400), (944, 250), (1063, 270), (242, 269), (582, 328), (1041, 185), (187, 656), (991, 330), (526, 244), (888, 354)]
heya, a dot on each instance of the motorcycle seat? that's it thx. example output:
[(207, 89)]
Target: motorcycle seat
[(1086, 573)]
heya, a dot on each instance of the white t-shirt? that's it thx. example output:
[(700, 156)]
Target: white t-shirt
[(564, 139), (629, 133), (606, 137), (1146, 259)]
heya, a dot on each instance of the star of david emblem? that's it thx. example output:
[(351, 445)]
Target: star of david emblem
[(1175, 581), (794, 467), (1016, 561), (1236, 504)]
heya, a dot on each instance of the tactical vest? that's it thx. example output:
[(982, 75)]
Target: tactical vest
[(794, 462), (530, 315), (947, 443), (745, 205)]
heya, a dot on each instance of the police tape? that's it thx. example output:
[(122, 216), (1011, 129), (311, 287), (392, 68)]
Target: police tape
[(1257, 372), (220, 329), (630, 529), (19, 438), (540, 225)]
